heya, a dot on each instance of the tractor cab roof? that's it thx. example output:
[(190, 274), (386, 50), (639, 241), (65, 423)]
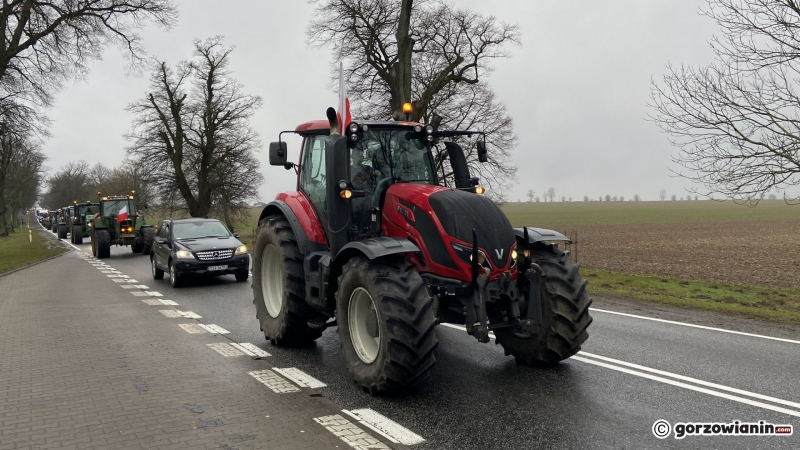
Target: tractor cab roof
[(118, 197), (322, 127)]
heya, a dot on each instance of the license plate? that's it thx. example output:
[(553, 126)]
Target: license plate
[(213, 268)]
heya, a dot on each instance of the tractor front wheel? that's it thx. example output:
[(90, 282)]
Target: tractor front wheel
[(62, 231), (386, 324), (101, 244), (279, 285), (565, 312), (77, 234)]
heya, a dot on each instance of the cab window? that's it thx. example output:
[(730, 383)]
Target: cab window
[(312, 174)]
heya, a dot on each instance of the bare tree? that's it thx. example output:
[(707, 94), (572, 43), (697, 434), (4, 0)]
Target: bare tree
[(551, 194), (531, 195), (586, 198), (430, 54), (608, 198), (46, 42), (636, 198), (193, 131), (674, 198), (736, 122), (72, 182), (21, 174), (662, 194)]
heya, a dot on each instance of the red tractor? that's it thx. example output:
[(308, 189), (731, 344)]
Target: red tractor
[(376, 243)]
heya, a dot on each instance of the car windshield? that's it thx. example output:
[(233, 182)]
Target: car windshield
[(196, 230), (392, 153)]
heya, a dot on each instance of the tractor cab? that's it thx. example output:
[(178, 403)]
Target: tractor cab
[(118, 222), (119, 209)]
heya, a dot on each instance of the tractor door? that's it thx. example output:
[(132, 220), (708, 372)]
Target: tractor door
[(312, 175)]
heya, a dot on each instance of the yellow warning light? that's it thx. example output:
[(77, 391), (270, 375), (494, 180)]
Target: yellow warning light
[(74, 202), (406, 108), (347, 193), (480, 190)]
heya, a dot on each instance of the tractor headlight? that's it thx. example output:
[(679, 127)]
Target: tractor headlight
[(465, 254), (184, 254), (417, 129), (353, 127), (241, 250), (514, 254), (429, 129)]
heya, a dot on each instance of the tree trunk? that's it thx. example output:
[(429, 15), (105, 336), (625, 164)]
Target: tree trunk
[(400, 71)]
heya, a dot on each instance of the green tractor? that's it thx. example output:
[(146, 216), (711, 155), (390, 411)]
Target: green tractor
[(53, 222), (45, 219), (119, 222), (82, 221), (64, 218)]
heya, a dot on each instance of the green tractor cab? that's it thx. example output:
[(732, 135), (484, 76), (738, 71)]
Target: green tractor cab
[(53, 222), (82, 221), (118, 222)]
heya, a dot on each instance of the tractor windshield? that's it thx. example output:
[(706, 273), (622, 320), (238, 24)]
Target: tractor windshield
[(399, 154), (88, 209), (113, 207)]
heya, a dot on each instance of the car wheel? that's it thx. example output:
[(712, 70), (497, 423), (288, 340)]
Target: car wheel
[(158, 274), (174, 279)]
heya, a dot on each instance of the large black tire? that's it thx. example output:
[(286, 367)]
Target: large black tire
[(62, 231), (242, 275), (77, 234), (565, 313), (102, 242), (403, 318), (276, 250), (137, 247), (148, 236), (54, 227)]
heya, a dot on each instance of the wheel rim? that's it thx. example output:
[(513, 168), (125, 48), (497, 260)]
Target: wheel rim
[(271, 280), (361, 316), (153, 266)]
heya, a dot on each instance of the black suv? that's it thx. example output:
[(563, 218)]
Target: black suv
[(197, 247)]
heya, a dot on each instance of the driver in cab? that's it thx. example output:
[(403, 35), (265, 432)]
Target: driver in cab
[(362, 176)]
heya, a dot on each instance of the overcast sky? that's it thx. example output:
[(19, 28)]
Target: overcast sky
[(577, 87)]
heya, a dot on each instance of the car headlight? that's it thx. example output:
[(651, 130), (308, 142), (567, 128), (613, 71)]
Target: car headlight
[(241, 250), (184, 254)]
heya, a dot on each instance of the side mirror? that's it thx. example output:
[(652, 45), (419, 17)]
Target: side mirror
[(159, 240), (277, 153), (482, 157), (236, 235)]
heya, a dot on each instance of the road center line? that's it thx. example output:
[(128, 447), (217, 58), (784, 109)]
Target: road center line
[(692, 380), (672, 322), (588, 358), (689, 386)]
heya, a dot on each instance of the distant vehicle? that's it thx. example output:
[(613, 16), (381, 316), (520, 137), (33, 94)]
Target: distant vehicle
[(53, 222), (119, 223), (80, 226), (197, 247)]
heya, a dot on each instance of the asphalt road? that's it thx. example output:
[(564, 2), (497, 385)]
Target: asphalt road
[(631, 373)]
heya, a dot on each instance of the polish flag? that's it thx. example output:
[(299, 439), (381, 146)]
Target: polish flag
[(344, 102), (123, 214)]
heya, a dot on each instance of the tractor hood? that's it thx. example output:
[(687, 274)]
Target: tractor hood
[(444, 219)]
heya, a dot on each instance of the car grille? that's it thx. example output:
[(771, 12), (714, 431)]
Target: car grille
[(214, 255)]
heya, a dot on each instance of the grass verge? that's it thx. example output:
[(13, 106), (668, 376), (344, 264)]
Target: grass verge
[(775, 304), (16, 251)]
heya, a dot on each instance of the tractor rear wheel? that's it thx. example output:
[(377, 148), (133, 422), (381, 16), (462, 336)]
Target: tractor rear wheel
[(386, 323), (565, 313), (148, 236), (102, 244), (279, 285), (77, 234), (62, 231)]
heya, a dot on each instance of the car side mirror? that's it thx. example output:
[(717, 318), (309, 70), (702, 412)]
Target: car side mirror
[(482, 156), (236, 235), (159, 240), (277, 153)]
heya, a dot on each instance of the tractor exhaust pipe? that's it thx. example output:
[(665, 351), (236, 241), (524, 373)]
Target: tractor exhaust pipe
[(333, 121)]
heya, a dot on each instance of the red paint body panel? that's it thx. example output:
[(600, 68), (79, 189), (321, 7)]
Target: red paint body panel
[(314, 125), (308, 219), (394, 224)]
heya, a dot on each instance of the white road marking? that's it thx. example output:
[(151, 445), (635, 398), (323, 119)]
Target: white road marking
[(127, 286), (692, 380), (351, 434), (193, 328), (140, 294), (153, 293), (215, 329), (677, 383), (251, 350), (672, 322), (274, 381), (225, 349), (689, 386), (386, 427), (138, 286), (152, 301), (167, 302), (301, 378), (179, 314)]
